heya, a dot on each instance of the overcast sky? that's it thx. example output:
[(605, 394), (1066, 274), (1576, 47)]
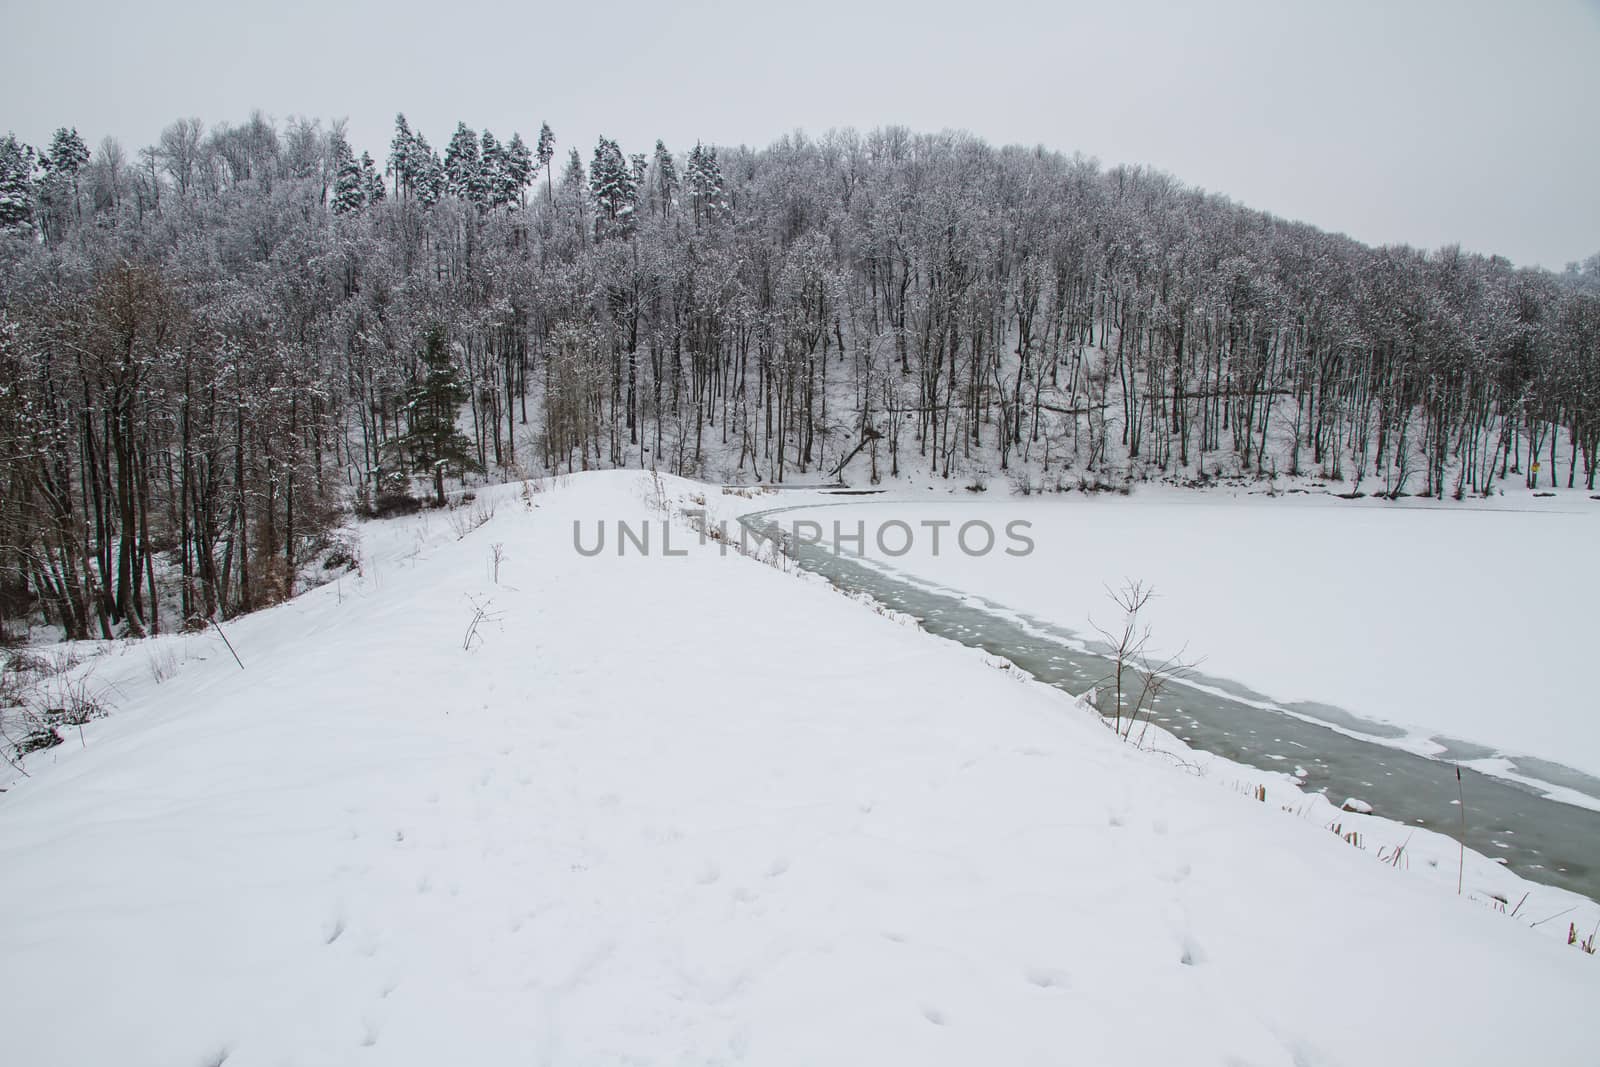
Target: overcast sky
[(1422, 121)]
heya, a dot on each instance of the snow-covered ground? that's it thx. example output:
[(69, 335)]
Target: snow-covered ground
[(698, 810), (1452, 619)]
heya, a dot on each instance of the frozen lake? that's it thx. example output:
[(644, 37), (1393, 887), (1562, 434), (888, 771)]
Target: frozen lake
[(1446, 621), (1405, 771)]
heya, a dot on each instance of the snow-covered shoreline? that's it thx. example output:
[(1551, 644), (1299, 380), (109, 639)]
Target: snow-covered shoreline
[(693, 810)]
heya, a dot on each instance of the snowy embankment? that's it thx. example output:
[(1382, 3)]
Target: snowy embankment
[(1464, 621), (695, 810)]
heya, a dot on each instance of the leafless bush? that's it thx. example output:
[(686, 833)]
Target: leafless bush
[(656, 493), (1154, 677), (163, 662), (389, 503), (21, 663), (773, 551), (40, 694), (343, 552), (497, 556), (470, 516), (480, 615), (1134, 674), (72, 699), (1127, 645)]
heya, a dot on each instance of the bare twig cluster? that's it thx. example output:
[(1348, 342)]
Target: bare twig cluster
[(481, 614), (469, 516), (39, 695), (1136, 679)]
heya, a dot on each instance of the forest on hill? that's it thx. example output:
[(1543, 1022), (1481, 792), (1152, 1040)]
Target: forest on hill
[(211, 347)]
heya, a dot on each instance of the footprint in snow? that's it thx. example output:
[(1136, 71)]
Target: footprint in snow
[(1048, 977), (933, 1014), (778, 867), (709, 873), (739, 1042)]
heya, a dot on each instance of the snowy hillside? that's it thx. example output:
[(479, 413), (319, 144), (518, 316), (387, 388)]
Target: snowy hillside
[(698, 809)]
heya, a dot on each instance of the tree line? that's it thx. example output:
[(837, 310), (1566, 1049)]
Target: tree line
[(209, 347)]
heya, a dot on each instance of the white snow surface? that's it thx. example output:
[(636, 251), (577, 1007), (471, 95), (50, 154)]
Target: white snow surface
[(1465, 620), (698, 810)]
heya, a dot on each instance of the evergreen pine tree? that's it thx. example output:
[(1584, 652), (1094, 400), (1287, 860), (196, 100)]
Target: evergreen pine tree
[(519, 166), (432, 445), (371, 180), (462, 167), (704, 181), (68, 156), (544, 152), (495, 174), (16, 185), (68, 153), (614, 188), (666, 178), (574, 190), (349, 194), (402, 157), (427, 173)]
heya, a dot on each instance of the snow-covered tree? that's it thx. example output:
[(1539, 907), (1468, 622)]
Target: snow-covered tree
[(403, 157), (428, 174), (432, 445), (545, 152), (666, 179), (371, 181), (614, 188), (349, 188), (58, 189), (500, 188), (181, 153), (703, 179), (519, 166), (463, 168), (17, 164)]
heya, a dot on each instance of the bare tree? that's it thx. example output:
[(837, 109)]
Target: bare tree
[(1136, 679), (1126, 643)]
